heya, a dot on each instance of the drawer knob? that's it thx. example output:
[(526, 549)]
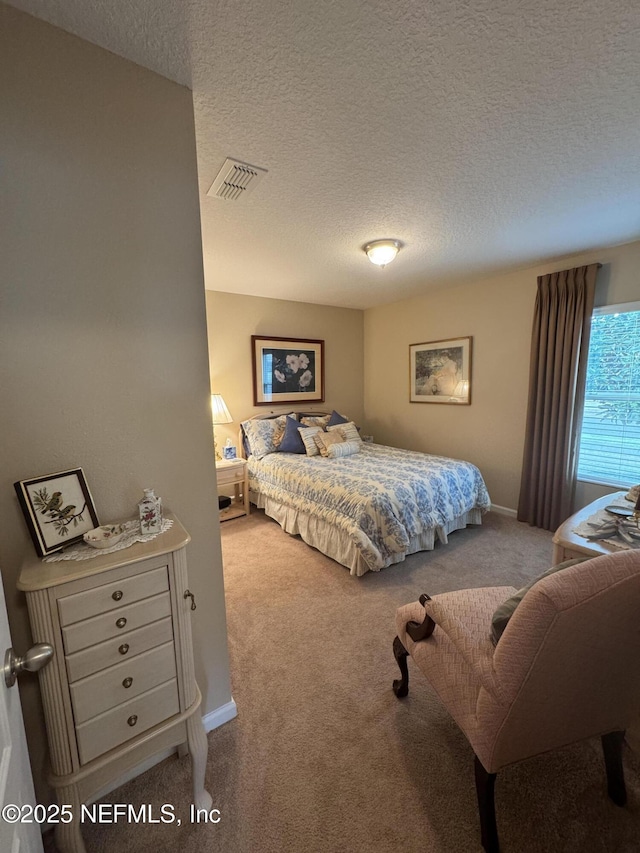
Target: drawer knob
[(133, 719), (121, 622), (117, 595), (124, 648), (127, 683)]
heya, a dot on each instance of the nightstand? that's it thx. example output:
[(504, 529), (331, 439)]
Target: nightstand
[(233, 472)]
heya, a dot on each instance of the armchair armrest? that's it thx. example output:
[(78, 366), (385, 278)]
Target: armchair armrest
[(465, 616), (421, 630)]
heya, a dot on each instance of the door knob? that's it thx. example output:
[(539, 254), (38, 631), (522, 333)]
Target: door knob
[(35, 658)]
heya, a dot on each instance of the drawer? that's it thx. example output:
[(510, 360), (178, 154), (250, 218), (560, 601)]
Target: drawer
[(106, 731), (97, 693), (226, 476), (114, 651), (91, 602), (90, 631)]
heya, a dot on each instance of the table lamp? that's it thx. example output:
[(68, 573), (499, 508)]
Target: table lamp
[(221, 415)]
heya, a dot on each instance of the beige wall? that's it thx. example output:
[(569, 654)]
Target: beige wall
[(103, 348), (497, 312), (232, 319)]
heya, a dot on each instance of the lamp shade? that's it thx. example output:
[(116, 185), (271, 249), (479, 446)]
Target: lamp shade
[(221, 414), (382, 252)]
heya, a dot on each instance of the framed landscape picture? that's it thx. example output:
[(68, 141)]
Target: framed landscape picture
[(287, 371), (58, 509), (440, 372)]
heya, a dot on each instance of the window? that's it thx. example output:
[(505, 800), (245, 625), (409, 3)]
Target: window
[(267, 374), (610, 437)]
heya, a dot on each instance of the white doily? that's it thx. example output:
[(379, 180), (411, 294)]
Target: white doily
[(589, 527), (81, 551)]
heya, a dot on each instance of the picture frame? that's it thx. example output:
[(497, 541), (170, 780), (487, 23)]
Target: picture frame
[(287, 370), (440, 372), (56, 506)]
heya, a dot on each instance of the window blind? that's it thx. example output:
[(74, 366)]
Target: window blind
[(610, 437)]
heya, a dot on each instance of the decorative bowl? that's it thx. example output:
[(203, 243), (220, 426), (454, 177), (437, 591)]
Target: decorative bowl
[(105, 536)]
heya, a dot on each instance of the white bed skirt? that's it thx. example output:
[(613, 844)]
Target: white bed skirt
[(338, 545)]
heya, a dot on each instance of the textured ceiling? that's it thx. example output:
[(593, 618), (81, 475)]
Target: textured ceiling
[(485, 135)]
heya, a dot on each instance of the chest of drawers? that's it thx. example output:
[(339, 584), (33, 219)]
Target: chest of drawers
[(121, 686)]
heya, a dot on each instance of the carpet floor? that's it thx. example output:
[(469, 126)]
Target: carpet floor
[(322, 757)]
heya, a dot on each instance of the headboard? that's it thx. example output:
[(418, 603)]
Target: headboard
[(265, 416)]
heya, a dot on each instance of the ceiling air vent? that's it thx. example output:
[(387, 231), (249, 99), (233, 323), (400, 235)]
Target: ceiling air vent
[(235, 180)]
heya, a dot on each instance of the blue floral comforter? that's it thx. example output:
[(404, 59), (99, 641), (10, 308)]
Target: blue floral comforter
[(385, 499)]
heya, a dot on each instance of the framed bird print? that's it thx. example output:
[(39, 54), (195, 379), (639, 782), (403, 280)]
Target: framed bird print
[(58, 509)]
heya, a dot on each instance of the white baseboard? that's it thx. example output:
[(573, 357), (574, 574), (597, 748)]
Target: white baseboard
[(504, 510), (219, 716)]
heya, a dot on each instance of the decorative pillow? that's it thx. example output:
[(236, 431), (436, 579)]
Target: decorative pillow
[(280, 426), (343, 448), (316, 421), (292, 440), (264, 435), (349, 431), (324, 440), (308, 435), (260, 435), (505, 611), (336, 418)]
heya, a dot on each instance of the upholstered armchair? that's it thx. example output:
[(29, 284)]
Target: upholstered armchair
[(565, 668)]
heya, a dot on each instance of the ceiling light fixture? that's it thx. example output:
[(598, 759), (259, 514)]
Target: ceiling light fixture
[(382, 252)]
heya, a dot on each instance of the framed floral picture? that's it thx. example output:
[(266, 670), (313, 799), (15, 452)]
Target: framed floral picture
[(440, 372), (58, 509), (287, 371)]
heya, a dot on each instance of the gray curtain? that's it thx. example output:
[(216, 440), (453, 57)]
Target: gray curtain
[(559, 348)]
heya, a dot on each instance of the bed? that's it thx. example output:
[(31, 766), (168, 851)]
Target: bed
[(367, 510)]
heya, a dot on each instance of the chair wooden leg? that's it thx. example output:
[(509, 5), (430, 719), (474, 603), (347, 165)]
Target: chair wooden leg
[(401, 685), (612, 749), (486, 806)]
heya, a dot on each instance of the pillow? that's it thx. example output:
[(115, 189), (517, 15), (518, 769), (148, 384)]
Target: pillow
[(308, 435), (505, 611), (315, 421), (280, 425), (324, 440), (336, 418), (264, 435), (349, 431), (292, 440), (260, 435), (343, 448)]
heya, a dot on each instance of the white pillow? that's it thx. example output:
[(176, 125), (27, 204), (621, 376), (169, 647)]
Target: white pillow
[(349, 431), (343, 448), (308, 439)]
